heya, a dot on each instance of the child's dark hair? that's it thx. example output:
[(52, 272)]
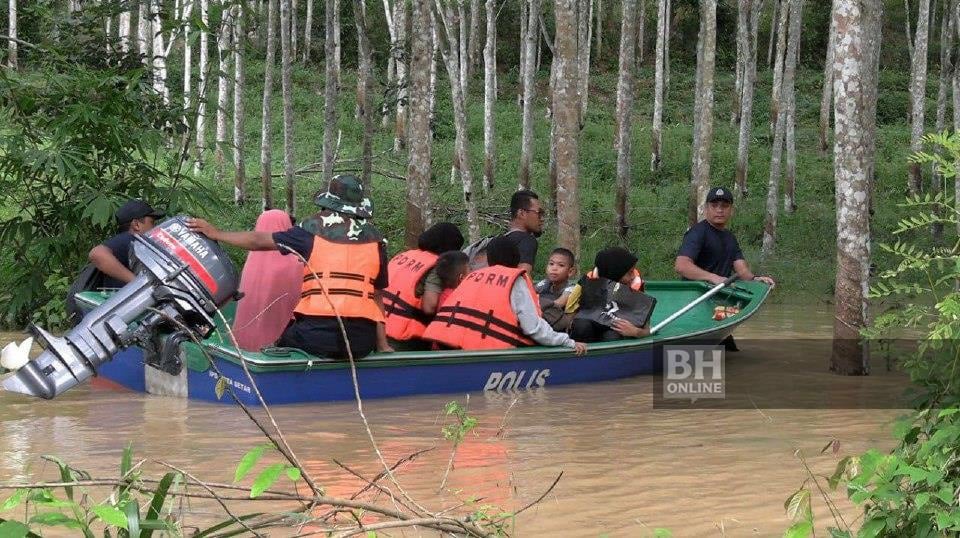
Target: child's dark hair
[(449, 267), (566, 253)]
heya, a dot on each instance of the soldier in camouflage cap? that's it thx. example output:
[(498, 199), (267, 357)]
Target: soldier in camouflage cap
[(345, 195)]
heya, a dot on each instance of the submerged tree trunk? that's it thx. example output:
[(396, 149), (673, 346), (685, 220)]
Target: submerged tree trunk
[(239, 118), (400, 133), (450, 52), (529, 89), (625, 82), (12, 32), (656, 134), (703, 110), (202, 75), (746, 102), (364, 91), (420, 159), (794, 11), (826, 98), (790, 99), (266, 131), (489, 96), (286, 84), (330, 93), (918, 91), (566, 111), (852, 161)]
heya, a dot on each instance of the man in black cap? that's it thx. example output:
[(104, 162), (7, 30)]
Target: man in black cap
[(709, 250), (112, 257)]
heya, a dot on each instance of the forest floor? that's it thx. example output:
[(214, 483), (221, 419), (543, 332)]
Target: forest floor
[(804, 259)]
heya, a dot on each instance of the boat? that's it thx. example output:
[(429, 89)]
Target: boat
[(284, 376)]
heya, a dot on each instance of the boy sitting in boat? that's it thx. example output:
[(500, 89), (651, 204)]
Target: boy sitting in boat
[(554, 291), (609, 301), (495, 307)]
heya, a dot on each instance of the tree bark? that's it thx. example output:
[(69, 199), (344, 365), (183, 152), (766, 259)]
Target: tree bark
[(567, 116), (656, 135), (703, 110), (584, 31), (790, 77), (400, 26), (599, 30), (337, 48), (308, 32), (294, 29), (159, 53), (906, 21), (489, 96), (743, 46), (473, 49), (331, 91), (746, 102), (187, 54), (123, 29), (12, 32), (420, 158), (462, 37), (450, 52), (524, 6), (852, 161), (529, 91), (224, 83), (143, 31), (826, 98), (625, 82), (774, 17), (202, 75), (794, 9), (641, 31), (364, 91), (946, 73), (266, 130), (286, 84), (239, 117), (781, 55), (918, 91)]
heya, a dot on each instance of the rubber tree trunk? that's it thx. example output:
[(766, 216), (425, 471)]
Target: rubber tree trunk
[(202, 78), (364, 91), (746, 102), (473, 49), (450, 52), (12, 32), (774, 17), (826, 97), (743, 47), (286, 85), (918, 92), (524, 6), (187, 54), (622, 142), (462, 38), (703, 110), (566, 113), (159, 53), (529, 91), (400, 59), (308, 32), (294, 29), (946, 73), (641, 31), (331, 92), (584, 33), (420, 158), (781, 55), (852, 161), (123, 29), (224, 83), (794, 9), (489, 96), (266, 124), (599, 28), (143, 31), (790, 137), (656, 134), (239, 117)]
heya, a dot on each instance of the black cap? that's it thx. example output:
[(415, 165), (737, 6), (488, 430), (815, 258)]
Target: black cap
[(136, 209), (719, 193), (614, 262)]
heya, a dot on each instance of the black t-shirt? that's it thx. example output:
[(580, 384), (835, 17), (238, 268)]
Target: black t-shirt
[(526, 243), (301, 241), (711, 249), (119, 245)]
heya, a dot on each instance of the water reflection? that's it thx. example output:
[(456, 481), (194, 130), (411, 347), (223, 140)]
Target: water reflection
[(627, 468)]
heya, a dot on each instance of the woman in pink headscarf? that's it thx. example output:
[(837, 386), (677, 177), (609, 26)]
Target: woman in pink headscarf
[(270, 283)]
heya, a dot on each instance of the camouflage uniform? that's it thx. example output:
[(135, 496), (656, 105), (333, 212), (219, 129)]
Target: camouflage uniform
[(346, 214)]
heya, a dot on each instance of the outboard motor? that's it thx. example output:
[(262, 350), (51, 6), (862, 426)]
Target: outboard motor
[(180, 275)]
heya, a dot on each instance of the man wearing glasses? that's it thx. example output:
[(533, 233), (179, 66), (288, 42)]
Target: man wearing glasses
[(526, 225)]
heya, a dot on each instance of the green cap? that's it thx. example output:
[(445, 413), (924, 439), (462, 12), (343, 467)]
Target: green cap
[(345, 195)]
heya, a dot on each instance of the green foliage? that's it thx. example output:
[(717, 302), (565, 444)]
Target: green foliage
[(459, 429), (269, 475)]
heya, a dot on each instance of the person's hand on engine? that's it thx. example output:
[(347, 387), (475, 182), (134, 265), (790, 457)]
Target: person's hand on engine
[(201, 226)]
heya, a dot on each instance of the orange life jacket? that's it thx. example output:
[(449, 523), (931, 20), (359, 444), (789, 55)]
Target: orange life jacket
[(405, 320), (351, 291), (478, 315)]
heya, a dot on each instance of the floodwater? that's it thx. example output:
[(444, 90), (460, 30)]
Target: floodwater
[(628, 467)]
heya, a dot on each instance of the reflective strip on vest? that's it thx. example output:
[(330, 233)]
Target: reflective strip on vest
[(478, 314), (404, 319), (350, 292)]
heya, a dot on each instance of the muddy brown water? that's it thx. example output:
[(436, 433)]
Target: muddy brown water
[(627, 467)]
